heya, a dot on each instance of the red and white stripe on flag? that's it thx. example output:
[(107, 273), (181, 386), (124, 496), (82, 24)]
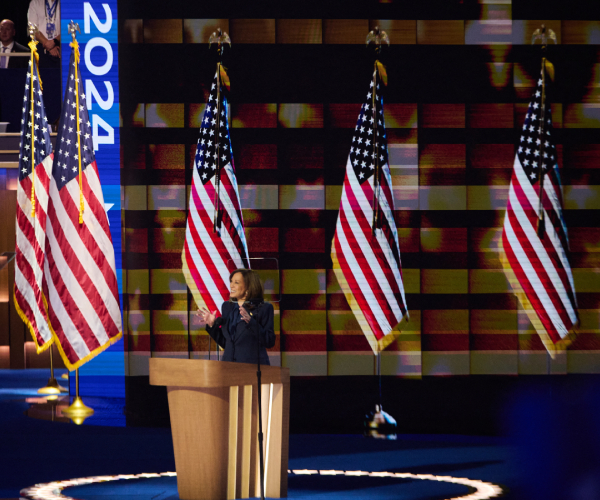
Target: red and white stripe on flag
[(367, 265), (30, 252), (83, 295), (537, 267), (208, 255), (36, 151)]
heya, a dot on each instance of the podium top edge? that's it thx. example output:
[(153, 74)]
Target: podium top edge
[(175, 372)]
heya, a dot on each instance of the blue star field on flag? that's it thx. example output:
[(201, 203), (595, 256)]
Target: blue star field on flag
[(33, 123), (213, 145), (531, 138), (66, 155), (369, 137)]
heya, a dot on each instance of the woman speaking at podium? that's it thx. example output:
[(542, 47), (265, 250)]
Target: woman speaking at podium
[(245, 328)]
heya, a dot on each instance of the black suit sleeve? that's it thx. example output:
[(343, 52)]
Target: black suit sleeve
[(18, 62), (266, 329), (17, 47), (215, 331)]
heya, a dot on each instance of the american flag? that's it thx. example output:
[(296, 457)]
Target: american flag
[(538, 267), (83, 296), (35, 166), (366, 262), (207, 254)]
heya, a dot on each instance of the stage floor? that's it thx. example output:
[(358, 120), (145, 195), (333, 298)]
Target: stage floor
[(322, 467)]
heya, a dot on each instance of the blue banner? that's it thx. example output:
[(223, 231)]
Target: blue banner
[(99, 66)]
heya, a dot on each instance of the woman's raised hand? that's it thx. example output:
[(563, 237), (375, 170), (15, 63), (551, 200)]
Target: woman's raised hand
[(244, 314), (207, 316)]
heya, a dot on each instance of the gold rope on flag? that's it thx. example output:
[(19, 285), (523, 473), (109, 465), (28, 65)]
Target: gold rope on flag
[(75, 46), (32, 46)]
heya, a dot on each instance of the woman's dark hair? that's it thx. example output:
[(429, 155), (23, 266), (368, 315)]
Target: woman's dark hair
[(254, 288)]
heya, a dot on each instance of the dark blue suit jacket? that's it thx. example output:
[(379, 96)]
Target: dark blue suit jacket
[(239, 343)]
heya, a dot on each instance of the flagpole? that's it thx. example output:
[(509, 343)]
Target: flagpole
[(376, 37), (220, 38), (541, 34), (541, 224), (377, 174), (52, 387), (379, 376), (217, 199), (378, 424), (32, 32), (78, 411)]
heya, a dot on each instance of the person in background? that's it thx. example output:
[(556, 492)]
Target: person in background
[(45, 14), (7, 37), (245, 327)]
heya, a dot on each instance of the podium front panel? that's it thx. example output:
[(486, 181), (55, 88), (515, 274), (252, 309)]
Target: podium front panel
[(214, 422)]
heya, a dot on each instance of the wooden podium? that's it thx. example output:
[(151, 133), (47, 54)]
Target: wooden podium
[(213, 408)]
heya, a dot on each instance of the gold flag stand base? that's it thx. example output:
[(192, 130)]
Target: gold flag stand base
[(65, 376), (78, 411), (52, 387)]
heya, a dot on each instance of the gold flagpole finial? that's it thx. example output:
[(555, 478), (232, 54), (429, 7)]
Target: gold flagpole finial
[(73, 29), (543, 34), (32, 29), (377, 37), (220, 38)]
